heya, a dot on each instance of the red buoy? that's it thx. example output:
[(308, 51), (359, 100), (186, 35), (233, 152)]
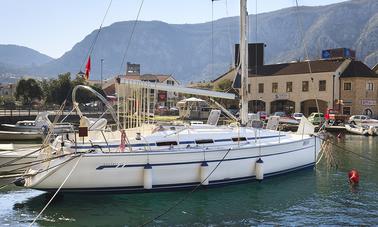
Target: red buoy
[(353, 176)]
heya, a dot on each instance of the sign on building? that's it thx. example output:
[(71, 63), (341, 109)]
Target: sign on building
[(368, 102), (280, 96)]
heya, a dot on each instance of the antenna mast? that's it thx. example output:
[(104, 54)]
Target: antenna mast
[(243, 61)]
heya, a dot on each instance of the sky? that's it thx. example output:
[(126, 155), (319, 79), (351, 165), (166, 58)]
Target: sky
[(53, 27)]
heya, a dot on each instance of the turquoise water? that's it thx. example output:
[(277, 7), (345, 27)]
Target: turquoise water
[(309, 197)]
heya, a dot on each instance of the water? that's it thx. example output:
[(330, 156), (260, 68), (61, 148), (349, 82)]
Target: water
[(309, 197)]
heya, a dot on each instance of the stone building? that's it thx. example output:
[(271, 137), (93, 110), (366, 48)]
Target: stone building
[(343, 84), (7, 90)]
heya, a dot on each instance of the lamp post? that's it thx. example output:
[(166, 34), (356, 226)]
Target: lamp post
[(333, 91), (102, 60)]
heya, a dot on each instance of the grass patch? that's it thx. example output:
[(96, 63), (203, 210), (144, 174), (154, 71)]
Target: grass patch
[(166, 118)]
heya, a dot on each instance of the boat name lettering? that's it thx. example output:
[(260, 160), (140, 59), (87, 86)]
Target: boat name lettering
[(113, 164)]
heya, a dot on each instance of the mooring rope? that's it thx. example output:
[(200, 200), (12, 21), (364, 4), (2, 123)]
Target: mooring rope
[(186, 196), (52, 198), (348, 150)]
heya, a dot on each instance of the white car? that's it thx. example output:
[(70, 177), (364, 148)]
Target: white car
[(362, 120), (297, 116)]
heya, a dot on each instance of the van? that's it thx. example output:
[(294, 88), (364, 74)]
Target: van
[(316, 118)]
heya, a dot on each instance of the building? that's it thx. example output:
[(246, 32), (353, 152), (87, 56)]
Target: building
[(97, 83), (163, 98), (7, 90), (339, 83)]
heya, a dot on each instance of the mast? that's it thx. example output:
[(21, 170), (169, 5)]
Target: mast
[(243, 50)]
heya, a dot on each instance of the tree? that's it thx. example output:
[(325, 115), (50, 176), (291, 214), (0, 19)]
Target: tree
[(46, 88), (27, 90), (61, 89), (85, 96)]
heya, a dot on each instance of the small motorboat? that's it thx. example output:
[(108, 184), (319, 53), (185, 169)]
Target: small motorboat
[(11, 136), (359, 130), (40, 125), (372, 130)]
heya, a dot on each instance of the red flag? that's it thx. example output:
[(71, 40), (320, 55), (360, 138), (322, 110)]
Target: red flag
[(88, 68)]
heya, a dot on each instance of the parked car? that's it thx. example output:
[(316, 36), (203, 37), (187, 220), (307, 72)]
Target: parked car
[(285, 118), (262, 115), (361, 119), (162, 110), (280, 114), (316, 118), (297, 116)]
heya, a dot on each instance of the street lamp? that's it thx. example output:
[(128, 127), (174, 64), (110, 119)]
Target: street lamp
[(102, 60), (333, 91)]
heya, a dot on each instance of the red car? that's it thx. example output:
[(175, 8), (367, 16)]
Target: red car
[(262, 115)]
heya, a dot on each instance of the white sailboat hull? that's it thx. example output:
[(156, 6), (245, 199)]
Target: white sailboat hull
[(176, 169)]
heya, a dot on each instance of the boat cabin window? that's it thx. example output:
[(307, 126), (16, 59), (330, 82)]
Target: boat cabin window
[(166, 143), (204, 141), (238, 139)]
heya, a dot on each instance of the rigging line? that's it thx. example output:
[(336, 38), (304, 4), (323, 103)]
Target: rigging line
[(30, 164), (59, 164), (300, 24), (51, 127), (256, 42), (131, 36), (186, 196), (21, 157), (212, 39), (91, 48), (48, 203)]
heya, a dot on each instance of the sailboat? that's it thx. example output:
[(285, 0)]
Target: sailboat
[(98, 160)]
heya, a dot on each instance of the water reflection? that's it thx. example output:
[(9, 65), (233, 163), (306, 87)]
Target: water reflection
[(246, 203)]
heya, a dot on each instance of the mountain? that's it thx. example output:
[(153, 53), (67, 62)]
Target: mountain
[(18, 60), (19, 56), (185, 51)]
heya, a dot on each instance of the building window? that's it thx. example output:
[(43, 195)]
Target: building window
[(347, 86), (289, 86), (249, 88), (304, 85), (370, 86), (274, 87), (322, 85), (346, 110), (170, 82), (261, 88)]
